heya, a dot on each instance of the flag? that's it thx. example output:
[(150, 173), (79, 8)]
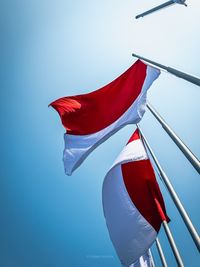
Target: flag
[(132, 202), (90, 119)]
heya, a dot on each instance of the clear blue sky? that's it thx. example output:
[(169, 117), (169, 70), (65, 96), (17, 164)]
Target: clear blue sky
[(52, 49)]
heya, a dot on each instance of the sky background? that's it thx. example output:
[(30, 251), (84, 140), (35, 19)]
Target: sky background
[(51, 49)]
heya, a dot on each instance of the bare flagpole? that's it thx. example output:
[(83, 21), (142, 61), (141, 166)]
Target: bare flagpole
[(157, 8), (160, 251), (174, 196), (169, 235), (186, 151), (154, 9), (173, 71), (173, 244), (152, 259)]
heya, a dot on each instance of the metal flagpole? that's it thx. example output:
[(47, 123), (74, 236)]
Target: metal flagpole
[(152, 259), (174, 196), (168, 3), (160, 251), (173, 71), (169, 236), (172, 244), (186, 151)]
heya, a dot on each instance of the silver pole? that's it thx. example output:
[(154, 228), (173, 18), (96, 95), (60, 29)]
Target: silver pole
[(152, 259), (160, 251), (173, 244), (173, 71), (168, 3), (186, 151), (174, 196)]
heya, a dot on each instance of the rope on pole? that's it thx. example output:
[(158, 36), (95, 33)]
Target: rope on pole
[(180, 74), (173, 195), (185, 150)]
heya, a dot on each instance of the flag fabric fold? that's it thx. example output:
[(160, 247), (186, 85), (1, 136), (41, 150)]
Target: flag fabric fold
[(133, 204), (90, 119)]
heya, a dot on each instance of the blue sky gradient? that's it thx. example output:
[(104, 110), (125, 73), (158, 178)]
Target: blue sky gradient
[(51, 49)]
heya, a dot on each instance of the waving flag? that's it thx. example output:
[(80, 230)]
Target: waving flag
[(133, 205), (91, 118)]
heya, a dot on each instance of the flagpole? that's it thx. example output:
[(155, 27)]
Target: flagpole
[(154, 9), (173, 244), (169, 235), (152, 259), (186, 151), (173, 71), (160, 251), (173, 195)]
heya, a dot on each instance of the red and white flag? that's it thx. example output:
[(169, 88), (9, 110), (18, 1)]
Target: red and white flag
[(133, 205), (92, 118)]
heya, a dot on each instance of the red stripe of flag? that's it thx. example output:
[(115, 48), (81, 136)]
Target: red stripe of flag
[(143, 189), (92, 112)]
